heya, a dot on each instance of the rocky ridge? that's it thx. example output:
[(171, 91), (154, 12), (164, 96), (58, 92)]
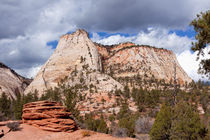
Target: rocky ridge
[(11, 83), (128, 60), (76, 58), (95, 69), (79, 60), (48, 115)]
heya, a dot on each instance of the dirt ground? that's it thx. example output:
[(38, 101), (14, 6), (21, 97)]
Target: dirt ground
[(28, 132)]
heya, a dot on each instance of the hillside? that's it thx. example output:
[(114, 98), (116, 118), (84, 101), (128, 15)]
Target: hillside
[(95, 63), (117, 89), (11, 83)]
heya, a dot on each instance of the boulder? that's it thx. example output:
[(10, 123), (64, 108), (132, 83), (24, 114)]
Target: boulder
[(48, 115)]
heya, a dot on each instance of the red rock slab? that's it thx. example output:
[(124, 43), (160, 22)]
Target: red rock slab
[(35, 116), (45, 108), (41, 103), (49, 116), (56, 114)]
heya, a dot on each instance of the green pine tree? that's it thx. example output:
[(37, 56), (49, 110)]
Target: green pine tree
[(186, 123), (5, 105), (161, 128)]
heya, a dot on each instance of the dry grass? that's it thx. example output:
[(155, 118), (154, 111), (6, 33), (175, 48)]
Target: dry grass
[(87, 133)]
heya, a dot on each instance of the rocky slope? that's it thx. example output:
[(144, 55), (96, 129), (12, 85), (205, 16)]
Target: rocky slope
[(11, 83), (75, 58), (128, 60), (78, 60), (95, 70)]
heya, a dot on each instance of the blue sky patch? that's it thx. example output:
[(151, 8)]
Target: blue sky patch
[(189, 32), (105, 35), (53, 44)]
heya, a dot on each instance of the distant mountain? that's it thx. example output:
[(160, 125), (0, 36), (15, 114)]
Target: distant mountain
[(12, 83), (130, 60), (98, 70)]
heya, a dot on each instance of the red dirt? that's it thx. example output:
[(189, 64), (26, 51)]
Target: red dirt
[(29, 132)]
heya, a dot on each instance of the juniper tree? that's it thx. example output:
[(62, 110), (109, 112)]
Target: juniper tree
[(201, 25)]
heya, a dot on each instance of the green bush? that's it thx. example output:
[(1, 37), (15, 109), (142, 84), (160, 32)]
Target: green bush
[(186, 122), (161, 128)]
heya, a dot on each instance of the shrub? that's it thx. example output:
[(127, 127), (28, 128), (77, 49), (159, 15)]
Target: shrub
[(98, 125), (186, 122), (86, 133), (13, 126), (161, 128), (120, 132), (111, 118), (5, 105), (2, 117), (180, 122), (143, 125)]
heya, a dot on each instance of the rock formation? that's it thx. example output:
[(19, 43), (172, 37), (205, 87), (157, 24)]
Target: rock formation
[(128, 59), (78, 60), (50, 116), (76, 57), (11, 83), (95, 69)]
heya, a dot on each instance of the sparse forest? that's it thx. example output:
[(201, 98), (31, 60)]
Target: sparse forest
[(154, 104)]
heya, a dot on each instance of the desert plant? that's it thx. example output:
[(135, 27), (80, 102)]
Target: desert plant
[(86, 133), (120, 132), (13, 126), (186, 122), (161, 128), (143, 125), (2, 117), (5, 105)]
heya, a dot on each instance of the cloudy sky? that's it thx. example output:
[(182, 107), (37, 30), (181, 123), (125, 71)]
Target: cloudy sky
[(30, 29)]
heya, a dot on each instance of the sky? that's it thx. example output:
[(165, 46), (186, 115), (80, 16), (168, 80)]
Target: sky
[(30, 29)]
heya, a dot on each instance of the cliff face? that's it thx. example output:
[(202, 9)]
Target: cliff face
[(128, 60), (75, 58), (78, 60), (11, 83), (91, 67)]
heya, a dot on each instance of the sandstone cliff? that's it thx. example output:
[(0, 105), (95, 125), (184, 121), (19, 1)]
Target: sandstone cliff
[(78, 60), (75, 59), (11, 83), (128, 60), (95, 70)]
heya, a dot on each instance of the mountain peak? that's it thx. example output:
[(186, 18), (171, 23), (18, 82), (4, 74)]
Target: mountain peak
[(77, 33)]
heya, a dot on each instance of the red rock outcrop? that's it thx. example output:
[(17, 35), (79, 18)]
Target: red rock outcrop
[(48, 115)]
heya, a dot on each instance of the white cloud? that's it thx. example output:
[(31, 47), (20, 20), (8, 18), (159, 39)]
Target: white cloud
[(158, 37), (29, 72), (189, 63), (25, 53), (27, 25)]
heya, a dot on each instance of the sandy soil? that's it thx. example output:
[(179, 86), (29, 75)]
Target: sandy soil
[(28, 132)]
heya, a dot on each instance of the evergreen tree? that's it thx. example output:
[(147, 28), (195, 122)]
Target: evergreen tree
[(186, 122), (202, 26), (18, 106), (5, 105), (102, 127), (161, 128)]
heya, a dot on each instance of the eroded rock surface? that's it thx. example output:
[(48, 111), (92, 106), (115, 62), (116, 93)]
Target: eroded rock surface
[(48, 115), (80, 61), (128, 60), (11, 83), (75, 54)]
